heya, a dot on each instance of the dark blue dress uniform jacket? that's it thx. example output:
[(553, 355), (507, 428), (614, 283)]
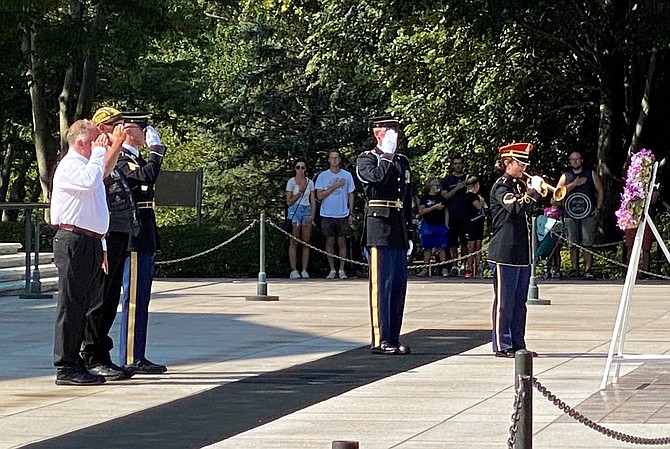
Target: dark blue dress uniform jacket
[(141, 176), (510, 203), (386, 177)]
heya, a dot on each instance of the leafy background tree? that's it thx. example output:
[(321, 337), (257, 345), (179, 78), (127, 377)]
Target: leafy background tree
[(243, 88)]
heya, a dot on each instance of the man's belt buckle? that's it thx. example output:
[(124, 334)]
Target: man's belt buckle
[(146, 204), (398, 204)]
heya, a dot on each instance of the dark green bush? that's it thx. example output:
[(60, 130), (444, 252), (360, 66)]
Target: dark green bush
[(239, 258), (14, 232)]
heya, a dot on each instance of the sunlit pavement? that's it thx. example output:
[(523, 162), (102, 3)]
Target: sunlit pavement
[(296, 373)]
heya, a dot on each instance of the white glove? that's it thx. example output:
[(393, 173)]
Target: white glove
[(390, 141), (152, 136), (536, 183), (410, 247)]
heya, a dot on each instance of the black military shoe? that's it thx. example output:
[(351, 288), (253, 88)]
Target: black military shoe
[(385, 349), (403, 350), (144, 366), (532, 353), (110, 372), (506, 353), (391, 349), (80, 378)]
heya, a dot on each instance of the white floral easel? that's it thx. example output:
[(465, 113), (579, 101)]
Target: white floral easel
[(620, 325)]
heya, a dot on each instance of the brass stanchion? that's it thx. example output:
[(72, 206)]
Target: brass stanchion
[(262, 285)]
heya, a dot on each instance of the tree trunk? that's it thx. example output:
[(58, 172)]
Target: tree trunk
[(44, 149), (611, 152), (644, 103), (63, 103), (90, 69)]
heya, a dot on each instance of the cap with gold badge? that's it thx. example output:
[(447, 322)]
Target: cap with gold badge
[(107, 115)]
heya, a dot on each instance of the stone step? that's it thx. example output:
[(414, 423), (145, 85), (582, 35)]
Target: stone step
[(10, 248), (14, 288), (18, 273), (19, 259)]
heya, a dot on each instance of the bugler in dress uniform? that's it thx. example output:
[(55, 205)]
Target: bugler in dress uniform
[(509, 248), (386, 181)]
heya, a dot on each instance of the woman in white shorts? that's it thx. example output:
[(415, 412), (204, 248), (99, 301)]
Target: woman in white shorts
[(300, 200)]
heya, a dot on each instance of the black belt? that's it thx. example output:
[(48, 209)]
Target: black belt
[(81, 231), (385, 203)]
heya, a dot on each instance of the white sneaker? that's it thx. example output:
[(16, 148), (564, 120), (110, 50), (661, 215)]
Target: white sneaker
[(304, 274), (331, 275), (342, 274), (423, 273), (294, 275)]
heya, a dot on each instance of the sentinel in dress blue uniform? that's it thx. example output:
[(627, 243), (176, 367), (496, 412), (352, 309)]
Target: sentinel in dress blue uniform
[(386, 181)]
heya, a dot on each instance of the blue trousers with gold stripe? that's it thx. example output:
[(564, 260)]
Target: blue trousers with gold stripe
[(388, 286), (510, 293), (138, 274)]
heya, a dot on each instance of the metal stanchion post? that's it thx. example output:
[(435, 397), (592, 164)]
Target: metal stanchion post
[(533, 289), (28, 247), (523, 373), (262, 285), (35, 289)]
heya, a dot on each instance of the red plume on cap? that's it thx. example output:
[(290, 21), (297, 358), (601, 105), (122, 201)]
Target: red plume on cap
[(518, 151)]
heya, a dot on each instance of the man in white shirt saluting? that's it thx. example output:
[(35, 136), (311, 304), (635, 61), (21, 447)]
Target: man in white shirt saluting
[(79, 209)]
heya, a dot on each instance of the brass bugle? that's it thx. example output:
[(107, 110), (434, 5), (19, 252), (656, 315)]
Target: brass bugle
[(558, 193)]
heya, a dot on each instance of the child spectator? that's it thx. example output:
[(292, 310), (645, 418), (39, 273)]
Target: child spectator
[(474, 225), (555, 211), (434, 224)]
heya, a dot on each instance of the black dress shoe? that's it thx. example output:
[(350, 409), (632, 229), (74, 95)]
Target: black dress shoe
[(385, 349), (144, 366), (403, 350), (532, 353), (506, 353), (391, 349), (78, 378), (110, 372)]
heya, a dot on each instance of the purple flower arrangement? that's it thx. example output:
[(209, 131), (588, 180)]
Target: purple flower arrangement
[(634, 193)]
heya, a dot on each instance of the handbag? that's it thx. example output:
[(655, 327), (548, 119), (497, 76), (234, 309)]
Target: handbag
[(288, 222)]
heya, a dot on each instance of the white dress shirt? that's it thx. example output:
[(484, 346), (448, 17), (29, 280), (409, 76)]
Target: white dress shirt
[(78, 196)]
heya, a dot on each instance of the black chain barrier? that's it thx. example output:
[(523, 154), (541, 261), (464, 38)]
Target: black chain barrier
[(574, 414), (519, 395)]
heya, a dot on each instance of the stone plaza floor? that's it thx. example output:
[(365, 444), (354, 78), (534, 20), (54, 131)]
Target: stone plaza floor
[(297, 373)]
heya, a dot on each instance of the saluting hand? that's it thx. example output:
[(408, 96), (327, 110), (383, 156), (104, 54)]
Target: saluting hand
[(390, 141), (101, 141), (117, 134)]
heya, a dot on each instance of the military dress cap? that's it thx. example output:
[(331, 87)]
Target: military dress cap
[(384, 121), (106, 115), (520, 151), (141, 119)]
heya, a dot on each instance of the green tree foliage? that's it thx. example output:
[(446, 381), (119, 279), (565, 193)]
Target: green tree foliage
[(244, 88)]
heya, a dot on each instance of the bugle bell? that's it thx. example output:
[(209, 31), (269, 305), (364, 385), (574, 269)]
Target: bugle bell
[(558, 193)]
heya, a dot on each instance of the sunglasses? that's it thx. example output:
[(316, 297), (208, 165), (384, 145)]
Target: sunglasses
[(300, 167)]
